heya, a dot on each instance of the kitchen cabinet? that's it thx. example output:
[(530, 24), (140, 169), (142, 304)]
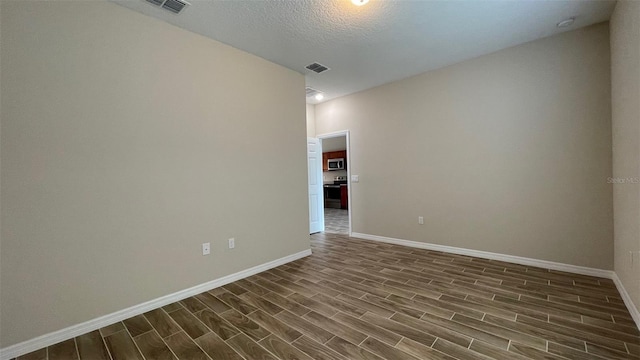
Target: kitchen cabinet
[(344, 197), (341, 154)]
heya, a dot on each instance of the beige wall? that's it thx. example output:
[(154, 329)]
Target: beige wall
[(508, 153), (126, 143), (625, 80), (334, 144), (311, 120)]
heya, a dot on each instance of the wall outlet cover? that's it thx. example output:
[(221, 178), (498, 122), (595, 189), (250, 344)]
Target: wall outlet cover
[(206, 248), (232, 243)]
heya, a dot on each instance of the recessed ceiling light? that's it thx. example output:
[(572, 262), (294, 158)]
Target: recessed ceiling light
[(359, 2), (319, 97), (566, 22)]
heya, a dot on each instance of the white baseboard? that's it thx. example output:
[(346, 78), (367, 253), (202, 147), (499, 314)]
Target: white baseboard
[(493, 256), (607, 274), (633, 310), (97, 323)]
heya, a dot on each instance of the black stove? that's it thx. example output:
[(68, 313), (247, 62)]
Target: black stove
[(340, 180)]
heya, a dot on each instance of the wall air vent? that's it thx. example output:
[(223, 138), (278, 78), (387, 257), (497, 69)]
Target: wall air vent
[(311, 91), (317, 68), (175, 6)]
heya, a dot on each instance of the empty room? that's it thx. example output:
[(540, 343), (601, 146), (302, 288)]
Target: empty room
[(319, 179)]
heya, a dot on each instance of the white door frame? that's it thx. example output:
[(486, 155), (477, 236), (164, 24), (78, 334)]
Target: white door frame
[(344, 133)]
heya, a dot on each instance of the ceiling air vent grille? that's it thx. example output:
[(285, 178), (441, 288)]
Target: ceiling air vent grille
[(317, 68), (175, 6), (311, 91)]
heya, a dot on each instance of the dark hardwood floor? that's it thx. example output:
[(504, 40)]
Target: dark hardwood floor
[(355, 299)]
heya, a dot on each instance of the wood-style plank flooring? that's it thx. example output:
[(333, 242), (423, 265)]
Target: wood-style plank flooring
[(356, 299)]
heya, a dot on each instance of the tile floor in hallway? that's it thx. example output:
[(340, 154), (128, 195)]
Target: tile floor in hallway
[(356, 299), (336, 221)]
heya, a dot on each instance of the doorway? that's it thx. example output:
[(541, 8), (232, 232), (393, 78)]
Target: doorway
[(336, 182)]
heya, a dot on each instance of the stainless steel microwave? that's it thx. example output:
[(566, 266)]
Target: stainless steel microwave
[(335, 164)]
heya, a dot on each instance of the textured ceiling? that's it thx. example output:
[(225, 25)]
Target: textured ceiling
[(380, 42)]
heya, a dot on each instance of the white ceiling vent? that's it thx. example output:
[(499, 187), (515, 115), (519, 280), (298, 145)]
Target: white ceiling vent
[(175, 6), (311, 91), (317, 68)]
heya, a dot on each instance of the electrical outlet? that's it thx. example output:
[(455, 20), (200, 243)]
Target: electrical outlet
[(355, 178), (232, 243), (206, 248), (420, 220)]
